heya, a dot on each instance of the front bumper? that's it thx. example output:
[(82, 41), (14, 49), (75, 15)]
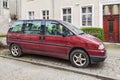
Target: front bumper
[(95, 59)]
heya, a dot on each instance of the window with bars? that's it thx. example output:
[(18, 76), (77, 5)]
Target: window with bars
[(67, 15), (5, 4), (45, 14), (87, 16), (31, 15)]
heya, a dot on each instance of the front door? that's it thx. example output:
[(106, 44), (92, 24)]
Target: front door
[(55, 44), (111, 23)]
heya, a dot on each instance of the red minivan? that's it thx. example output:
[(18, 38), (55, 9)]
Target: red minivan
[(57, 39)]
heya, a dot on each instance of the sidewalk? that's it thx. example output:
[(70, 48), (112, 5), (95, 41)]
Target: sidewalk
[(3, 40), (109, 44)]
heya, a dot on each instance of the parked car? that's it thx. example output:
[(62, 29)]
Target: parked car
[(57, 39)]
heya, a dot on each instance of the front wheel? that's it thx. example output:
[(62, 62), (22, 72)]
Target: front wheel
[(15, 50), (79, 58)]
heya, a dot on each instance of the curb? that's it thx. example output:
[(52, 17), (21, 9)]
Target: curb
[(103, 77), (108, 43)]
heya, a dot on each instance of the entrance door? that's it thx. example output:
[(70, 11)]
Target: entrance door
[(111, 23)]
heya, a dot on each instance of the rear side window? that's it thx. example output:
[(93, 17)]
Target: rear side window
[(32, 27), (16, 27)]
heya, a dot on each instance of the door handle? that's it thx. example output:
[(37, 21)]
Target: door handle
[(42, 37)]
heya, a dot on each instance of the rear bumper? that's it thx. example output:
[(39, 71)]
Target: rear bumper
[(95, 59)]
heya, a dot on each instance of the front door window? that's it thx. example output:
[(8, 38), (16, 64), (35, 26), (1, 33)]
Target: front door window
[(55, 28)]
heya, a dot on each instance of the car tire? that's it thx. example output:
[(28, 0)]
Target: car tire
[(15, 50), (79, 58)]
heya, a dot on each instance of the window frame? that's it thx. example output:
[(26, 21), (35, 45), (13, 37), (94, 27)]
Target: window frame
[(81, 14), (6, 4), (47, 14), (67, 14), (32, 16)]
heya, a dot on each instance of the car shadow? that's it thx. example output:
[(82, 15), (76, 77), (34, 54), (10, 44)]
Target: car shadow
[(97, 65), (54, 61), (58, 61)]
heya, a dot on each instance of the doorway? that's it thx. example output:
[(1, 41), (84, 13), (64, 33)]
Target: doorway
[(111, 22)]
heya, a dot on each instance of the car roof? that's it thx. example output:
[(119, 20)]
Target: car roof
[(41, 20)]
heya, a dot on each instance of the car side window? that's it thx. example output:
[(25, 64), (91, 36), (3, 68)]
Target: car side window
[(32, 27), (55, 28), (16, 27)]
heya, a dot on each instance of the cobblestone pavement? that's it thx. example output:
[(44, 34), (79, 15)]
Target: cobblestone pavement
[(110, 68), (17, 70)]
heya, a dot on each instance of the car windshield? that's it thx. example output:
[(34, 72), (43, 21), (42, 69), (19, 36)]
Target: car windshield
[(72, 27)]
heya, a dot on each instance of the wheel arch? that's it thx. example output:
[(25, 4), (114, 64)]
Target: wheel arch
[(74, 48)]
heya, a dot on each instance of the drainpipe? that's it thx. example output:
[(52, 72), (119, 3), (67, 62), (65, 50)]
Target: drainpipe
[(16, 8), (53, 7)]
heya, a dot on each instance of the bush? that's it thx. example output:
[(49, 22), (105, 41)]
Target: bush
[(95, 31)]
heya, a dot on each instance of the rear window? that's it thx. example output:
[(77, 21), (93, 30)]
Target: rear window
[(16, 27), (27, 27)]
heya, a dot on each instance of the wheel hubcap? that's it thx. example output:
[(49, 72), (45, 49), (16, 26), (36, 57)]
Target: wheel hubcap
[(79, 59), (14, 50)]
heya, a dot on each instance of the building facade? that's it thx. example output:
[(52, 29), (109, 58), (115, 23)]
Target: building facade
[(14, 9), (9, 11), (4, 16), (81, 13)]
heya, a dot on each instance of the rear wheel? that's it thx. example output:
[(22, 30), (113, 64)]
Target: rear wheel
[(79, 58), (15, 50)]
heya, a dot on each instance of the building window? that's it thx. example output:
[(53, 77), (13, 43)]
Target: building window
[(45, 14), (31, 14), (67, 14), (87, 16), (5, 4)]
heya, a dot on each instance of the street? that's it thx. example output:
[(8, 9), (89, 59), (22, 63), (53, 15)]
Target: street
[(48, 67), (16, 70)]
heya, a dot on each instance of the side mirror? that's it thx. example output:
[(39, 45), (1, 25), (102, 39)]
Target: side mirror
[(63, 34)]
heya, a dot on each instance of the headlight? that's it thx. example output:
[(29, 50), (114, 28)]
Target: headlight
[(101, 46)]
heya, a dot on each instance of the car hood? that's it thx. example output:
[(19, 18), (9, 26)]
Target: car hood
[(89, 38)]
